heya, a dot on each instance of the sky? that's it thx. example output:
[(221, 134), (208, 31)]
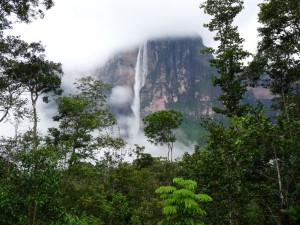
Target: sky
[(83, 34)]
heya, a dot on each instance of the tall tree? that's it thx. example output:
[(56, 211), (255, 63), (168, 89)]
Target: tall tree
[(278, 55), (278, 58), (10, 98), (229, 55), (12, 11), (80, 116), (160, 128), (10, 90), (33, 74)]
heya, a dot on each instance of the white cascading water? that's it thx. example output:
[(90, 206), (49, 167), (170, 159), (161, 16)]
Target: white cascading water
[(141, 71)]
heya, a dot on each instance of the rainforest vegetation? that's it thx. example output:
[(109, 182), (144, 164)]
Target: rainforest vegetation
[(248, 172)]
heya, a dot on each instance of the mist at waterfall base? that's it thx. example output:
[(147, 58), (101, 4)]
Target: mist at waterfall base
[(126, 103), (127, 124), (125, 100)]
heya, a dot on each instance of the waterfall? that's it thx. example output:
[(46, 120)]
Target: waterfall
[(141, 71)]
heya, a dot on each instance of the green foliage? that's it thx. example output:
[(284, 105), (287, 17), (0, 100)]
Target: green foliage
[(278, 53), (248, 162), (229, 56), (189, 128), (21, 62), (30, 186), (21, 11), (246, 168), (81, 115), (181, 205), (83, 220), (250, 165), (32, 73), (160, 126), (143, 160)]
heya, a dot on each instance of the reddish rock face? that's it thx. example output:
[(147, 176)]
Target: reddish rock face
[(178, 76), (261, 93), (120, 69)]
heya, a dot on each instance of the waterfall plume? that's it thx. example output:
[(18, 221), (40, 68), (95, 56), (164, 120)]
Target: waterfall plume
[(141, 71)]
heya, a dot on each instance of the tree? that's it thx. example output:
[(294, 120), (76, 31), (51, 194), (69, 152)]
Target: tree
[(229, 56), (32, 73), (251, 170), (12, 48), (278, 53), (30, 184), (10, 99), (21, 11), (10, 90), (160, 126), (80, 116), (180, 205), (143, 160), (278, 59)]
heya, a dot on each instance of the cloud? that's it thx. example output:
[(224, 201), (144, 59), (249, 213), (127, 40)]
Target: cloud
[(121, 95), (83, 34), (160, 151)]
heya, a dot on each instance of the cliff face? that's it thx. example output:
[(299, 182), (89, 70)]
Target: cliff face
[(178, 76), (166, 74), (120, 69)]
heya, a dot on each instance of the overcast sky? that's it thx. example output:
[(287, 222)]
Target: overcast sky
[(82, 34)]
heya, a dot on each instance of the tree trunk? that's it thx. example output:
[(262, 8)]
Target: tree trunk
[(284, 217), (34, 213), (34, 97), (170, 151)]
